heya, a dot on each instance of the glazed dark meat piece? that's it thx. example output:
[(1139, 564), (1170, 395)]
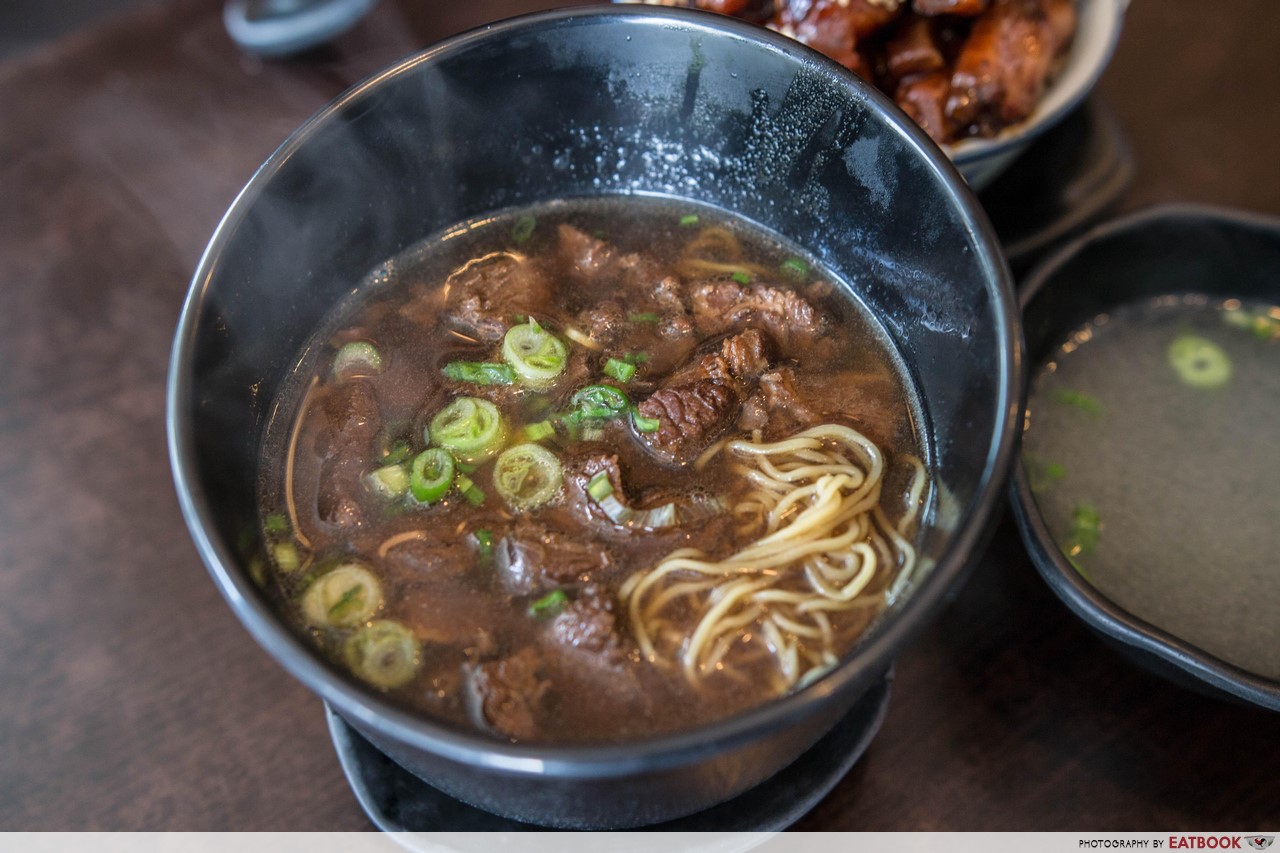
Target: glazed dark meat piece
[(536, 558), (924, 98), (859, 19), (590, 623), (824, 26), (352, 419), (511, 693), (724, 305), (912, 49), (752, 10), (1005, 63), (967, 8), (483, 297)]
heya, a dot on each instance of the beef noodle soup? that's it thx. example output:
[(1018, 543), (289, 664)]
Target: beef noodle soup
[(591, 472)]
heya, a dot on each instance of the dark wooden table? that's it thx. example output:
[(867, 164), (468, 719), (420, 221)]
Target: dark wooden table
[(130, 698)]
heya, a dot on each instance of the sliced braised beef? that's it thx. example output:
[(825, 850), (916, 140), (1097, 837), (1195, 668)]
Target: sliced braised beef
[(588, 257), (777, 407), (785, 403), (338, 497), (724, 305), (701, 400), (431, 559), (690, 417), (511, 693), (484, 295), (590, 623), (351, 418), (535, 558)]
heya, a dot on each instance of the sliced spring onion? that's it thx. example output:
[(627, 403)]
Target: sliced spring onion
[(527, 476), (549, 605), (643, 317), (484, 542), (276, 524), (480, 372), (1086, 526), (540, 430), (523, 229), (741, 277), (643, 424), (389, 481), (534, 354), (600, 486), (599, 402), (343, 597), (397, 451), (1078, 400), (1199, 362), (431, 474), (636, 357), (286, 556), (689, 219), (472, 428), (358, 358), (794, 269), (473, 493), (384, 653), (619, 369)]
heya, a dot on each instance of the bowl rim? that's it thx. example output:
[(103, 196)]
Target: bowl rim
[(868, 660), (1088, 603), (967, 152)]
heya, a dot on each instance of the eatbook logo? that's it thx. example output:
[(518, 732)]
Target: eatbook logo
[(1261, 842)]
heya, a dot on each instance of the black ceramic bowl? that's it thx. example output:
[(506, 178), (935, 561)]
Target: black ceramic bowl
[(1177, 249), (617, 100)]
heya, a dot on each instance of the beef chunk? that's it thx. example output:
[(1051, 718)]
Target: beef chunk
[(689, 417), (966, 8), (337, 501), (605, 323), (535, 558), (351, 418), (777, 406), (590, 623), (484, 295), (924, 98), (700, 401), (737, 362), (511, 693), (417, 557), (1003, 67), (588, 256), (723, 305)]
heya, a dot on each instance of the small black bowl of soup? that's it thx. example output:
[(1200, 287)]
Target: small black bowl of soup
[(591, 407), (1149, 480)]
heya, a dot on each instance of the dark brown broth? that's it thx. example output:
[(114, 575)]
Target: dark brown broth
[(590, 699)]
